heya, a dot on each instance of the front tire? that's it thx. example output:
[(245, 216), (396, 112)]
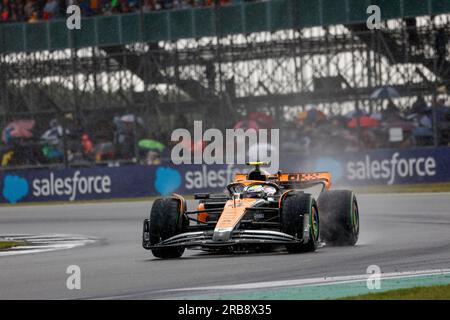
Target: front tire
[(166, 221), (295, 208), (340, 217)]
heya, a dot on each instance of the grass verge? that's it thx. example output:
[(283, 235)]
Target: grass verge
[(441, 292), (5, 244)]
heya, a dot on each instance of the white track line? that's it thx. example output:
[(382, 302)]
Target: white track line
[(315, 281), (44, 243), (283, 283)]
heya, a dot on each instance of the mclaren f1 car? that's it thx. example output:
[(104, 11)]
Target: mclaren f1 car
[(259, 211)]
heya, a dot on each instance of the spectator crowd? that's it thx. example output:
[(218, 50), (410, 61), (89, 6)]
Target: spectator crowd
[(37, 10), (124, 138), (129, 138), (391, 127)]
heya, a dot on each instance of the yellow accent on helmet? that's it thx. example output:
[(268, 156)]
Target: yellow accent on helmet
[(257, 163)]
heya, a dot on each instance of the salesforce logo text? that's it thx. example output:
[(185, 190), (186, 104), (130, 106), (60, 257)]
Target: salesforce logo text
[(206, 178), (391, 169), (71, 186)]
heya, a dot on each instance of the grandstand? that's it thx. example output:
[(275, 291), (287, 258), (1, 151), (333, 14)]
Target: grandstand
[(220, 63)]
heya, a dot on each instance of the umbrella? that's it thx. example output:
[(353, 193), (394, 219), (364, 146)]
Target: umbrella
[(131, 118), (53, 135), (311, 116), (18, 129), (385, 93), (354, 113), (247, 124), (151, 145), (262, 118), (51, 153), (363, 122)]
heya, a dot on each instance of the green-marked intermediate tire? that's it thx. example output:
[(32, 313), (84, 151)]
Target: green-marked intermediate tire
[(339, 215), (294, 208), (165, 222)]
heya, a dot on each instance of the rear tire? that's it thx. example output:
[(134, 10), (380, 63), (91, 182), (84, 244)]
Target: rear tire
[(294, 208), (165, 222), (340, 217)]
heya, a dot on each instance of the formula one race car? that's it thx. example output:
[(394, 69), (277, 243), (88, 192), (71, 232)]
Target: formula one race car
[(259, 212)]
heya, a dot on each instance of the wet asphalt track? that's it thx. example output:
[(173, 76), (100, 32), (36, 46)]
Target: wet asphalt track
[(400, 232)]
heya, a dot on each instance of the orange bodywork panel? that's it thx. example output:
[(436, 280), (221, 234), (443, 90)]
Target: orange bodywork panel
[(240, 177), (233, 212), (202, 216)]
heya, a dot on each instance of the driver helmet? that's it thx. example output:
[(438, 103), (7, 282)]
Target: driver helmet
[(255, 191)]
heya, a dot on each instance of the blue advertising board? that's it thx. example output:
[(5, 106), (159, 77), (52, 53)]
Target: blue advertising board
[(112, 182), (381, 167), (378, 167)]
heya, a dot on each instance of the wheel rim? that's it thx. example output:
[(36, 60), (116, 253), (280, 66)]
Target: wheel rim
[(355, 218), (314, 224)]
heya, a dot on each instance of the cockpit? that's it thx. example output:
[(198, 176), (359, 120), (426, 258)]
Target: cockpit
[(256, 190)]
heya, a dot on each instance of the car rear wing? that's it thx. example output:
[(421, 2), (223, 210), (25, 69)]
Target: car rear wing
[(304, 178), (294, 180)]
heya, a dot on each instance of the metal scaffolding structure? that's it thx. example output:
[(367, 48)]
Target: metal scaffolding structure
[(222, 79)]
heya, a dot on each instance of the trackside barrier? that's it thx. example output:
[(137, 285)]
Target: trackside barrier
[(379, 167), (382, 167)]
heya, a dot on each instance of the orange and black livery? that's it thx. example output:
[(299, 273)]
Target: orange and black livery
[(258, 211)]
